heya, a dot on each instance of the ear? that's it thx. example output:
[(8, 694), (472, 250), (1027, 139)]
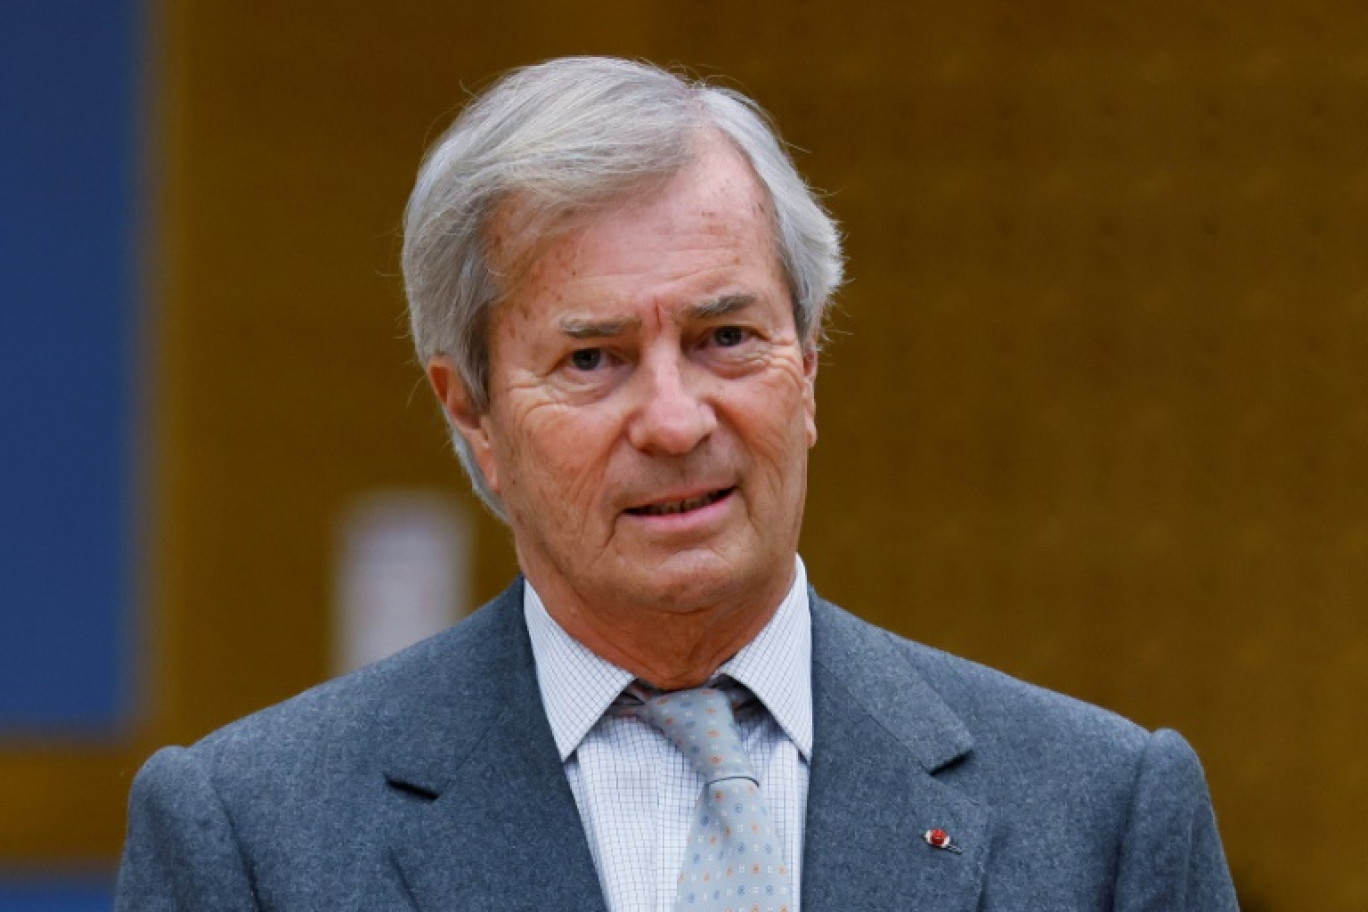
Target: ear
[(471, 424), (810, 394)]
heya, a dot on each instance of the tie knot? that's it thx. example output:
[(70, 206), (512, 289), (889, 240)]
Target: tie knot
[(701, 724)]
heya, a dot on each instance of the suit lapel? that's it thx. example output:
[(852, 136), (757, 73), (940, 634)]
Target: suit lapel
[(881, 735), (492, 822), (489, 821)]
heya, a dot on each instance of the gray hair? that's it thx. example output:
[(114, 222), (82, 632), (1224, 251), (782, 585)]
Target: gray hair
[(569, 134)]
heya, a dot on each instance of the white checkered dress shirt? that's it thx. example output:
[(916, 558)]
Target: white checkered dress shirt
[(635, 790)]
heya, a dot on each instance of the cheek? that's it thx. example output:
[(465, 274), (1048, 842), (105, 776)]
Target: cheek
[(780, 432), (790, 404), (560, 455)]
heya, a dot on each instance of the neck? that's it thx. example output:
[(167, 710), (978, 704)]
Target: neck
[(671, 650)]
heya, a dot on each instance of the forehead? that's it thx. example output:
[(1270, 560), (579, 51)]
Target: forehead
[(709, 221)]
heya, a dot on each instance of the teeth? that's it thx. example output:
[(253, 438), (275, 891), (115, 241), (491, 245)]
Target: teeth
[(680, 506)]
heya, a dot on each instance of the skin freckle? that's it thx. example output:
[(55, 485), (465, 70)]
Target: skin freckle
[(674, 413)]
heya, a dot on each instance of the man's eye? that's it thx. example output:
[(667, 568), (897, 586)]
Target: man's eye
[(587, 359), (729, 336)]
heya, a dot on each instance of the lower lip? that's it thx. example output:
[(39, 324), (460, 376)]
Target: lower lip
[(690, 521)]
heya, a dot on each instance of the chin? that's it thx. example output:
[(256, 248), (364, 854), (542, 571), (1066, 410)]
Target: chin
[(688, 583)]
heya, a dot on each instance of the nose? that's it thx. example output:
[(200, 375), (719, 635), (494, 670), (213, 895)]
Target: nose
[(673, 414)]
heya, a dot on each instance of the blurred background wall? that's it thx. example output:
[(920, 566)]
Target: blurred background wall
[(1094, 411)]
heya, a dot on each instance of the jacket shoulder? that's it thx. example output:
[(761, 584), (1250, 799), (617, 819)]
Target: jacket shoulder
[(993, 705), (344, 721), (299, 802), (1127, 808)]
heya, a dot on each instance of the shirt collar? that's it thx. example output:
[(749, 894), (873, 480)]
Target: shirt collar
[(578, 686)]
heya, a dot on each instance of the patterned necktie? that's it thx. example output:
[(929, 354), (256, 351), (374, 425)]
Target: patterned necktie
[(734, 862)]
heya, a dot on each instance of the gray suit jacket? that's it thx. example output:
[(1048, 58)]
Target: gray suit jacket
[(430, 781)]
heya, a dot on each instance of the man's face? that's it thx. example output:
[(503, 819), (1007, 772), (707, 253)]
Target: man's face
[(651, 405)]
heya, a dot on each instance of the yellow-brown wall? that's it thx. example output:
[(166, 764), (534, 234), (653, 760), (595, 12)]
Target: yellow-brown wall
[(1095, 408)]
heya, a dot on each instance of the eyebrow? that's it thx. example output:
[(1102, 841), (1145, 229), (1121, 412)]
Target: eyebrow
[(583, 328), (579, 328), (719, 307)]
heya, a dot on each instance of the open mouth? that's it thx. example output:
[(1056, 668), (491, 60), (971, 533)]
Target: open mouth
[(671, 507)]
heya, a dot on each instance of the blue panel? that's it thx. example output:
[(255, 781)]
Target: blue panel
[(77, 896), (68, 92)]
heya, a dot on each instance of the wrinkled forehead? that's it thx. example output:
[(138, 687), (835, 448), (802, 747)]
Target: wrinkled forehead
[(525, 224)]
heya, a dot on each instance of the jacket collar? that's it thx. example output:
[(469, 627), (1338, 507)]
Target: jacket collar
[(491, 821)]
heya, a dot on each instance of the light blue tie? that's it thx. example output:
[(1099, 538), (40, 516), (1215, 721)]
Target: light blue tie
[(734, 862)]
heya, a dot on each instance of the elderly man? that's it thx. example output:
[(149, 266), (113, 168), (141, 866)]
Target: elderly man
[(617, 282)]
